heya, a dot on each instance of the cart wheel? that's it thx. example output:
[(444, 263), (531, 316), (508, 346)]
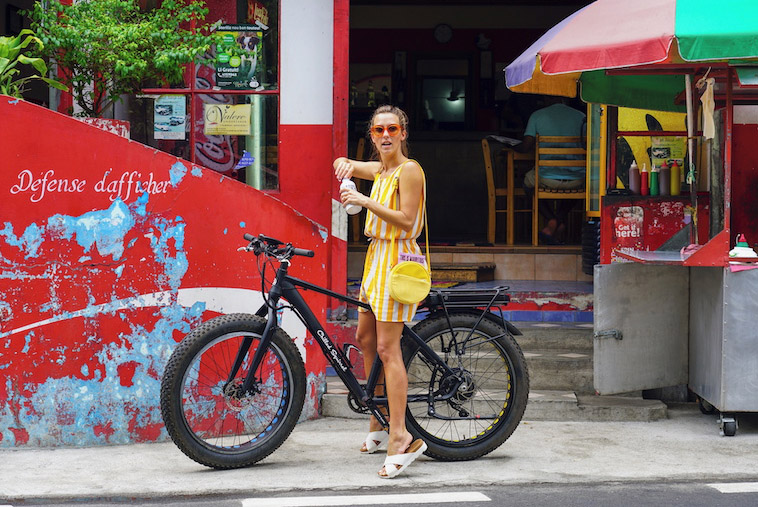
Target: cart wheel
[(705, 407), (728, 426)]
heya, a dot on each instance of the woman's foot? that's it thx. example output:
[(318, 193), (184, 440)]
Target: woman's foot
[(396, 463), (396, 447), (376, 434), (375, 440)]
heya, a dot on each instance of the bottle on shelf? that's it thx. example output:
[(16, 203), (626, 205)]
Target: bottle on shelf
[(634, 178), (654, 177), (644, 189), (351, 209), (676, 184)]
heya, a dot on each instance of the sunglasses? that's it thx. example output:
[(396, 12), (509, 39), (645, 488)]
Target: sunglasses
[(393, 130)]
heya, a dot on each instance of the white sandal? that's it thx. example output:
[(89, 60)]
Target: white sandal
[(396, 463), (375, 440)]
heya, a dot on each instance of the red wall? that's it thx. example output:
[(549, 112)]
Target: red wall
[(744, 184), (98, 282)]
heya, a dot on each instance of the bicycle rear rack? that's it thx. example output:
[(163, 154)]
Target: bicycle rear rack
[(486, 300), (467, 298)]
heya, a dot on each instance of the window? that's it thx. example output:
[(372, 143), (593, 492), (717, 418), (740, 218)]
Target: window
[(242, 84)]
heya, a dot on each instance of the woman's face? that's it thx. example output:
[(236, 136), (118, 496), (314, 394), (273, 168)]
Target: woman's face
[(386, 143)]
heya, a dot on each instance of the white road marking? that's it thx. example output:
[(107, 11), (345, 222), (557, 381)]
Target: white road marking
[(735, 487), (319, 501)]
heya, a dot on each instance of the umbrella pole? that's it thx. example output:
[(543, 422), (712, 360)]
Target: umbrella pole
[(691, 151)]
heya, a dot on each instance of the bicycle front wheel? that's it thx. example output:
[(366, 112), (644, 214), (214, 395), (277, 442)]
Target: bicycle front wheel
[(471, 412), (209, 415)]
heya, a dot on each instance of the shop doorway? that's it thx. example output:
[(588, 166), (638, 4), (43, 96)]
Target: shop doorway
[(442, 62)]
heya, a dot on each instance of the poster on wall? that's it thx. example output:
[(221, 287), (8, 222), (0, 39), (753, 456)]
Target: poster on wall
[(668, 149), (227, 119), (238, 57), (169, 117)]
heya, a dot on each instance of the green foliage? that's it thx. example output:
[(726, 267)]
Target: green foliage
[(11, 56), (107, 48)]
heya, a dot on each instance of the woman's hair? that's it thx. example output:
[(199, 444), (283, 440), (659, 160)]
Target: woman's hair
[(403, 123)]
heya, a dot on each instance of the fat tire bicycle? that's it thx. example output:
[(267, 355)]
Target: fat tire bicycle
[(234, 387)]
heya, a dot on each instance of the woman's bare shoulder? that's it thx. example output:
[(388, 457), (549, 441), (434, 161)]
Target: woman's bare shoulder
[(412, 169)]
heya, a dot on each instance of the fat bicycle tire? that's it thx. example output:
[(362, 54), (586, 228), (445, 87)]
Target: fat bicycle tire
[(485, 411), (208, 418)]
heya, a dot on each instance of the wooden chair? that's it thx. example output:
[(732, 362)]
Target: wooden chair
[(505, 193), (562, 146)]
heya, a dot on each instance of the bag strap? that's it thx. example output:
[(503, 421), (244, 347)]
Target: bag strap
[(395, 232)]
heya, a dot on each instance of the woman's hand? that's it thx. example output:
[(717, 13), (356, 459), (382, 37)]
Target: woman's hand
[(350, 196), (343, 168)]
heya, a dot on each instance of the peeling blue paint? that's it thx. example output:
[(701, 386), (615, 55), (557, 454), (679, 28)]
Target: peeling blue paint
[(243, 225), (68, 410), (27, 342), (177, 173), (226, 229), (104, 228), (119, 270), (29, 242), (176, 266), (141, 209), (196, 171)]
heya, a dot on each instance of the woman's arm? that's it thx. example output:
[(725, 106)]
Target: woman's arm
[(411, 186), (346, 168)]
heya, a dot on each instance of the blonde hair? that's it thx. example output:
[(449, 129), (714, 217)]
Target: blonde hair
[(403, 123)]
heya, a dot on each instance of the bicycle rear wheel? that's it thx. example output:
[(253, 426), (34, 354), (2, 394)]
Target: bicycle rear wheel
[(477, 408), (208, 416)]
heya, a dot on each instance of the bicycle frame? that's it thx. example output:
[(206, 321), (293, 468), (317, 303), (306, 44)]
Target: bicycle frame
[(285, 287)]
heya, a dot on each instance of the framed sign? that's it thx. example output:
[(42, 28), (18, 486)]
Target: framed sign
[(238, 57), (169, 117), (227, 119)]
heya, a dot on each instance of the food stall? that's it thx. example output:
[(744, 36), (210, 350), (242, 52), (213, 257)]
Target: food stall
[(675, 291)]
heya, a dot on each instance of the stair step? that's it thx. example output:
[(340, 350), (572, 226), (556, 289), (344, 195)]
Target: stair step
[(543, 405), (463, 272), (536, 337), (560, 370)]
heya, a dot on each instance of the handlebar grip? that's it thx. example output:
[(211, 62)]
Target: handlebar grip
[(248, 236), (303, 252)]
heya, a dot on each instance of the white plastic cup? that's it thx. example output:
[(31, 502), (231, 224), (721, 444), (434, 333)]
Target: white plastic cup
[(351, 209)]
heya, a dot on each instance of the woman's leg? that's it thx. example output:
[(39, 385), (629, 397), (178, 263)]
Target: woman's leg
[(366, 338), (388, 336)]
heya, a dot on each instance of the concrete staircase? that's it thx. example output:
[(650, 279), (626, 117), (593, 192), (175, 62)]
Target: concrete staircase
[(560, 364)]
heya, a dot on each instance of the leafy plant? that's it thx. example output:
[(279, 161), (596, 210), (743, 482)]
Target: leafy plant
[(11, 56), (107, 48)]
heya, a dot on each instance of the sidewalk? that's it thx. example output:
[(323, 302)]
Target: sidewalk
[(323, 454)]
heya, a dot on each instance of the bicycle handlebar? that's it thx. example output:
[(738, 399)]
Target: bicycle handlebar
[(275, 248)]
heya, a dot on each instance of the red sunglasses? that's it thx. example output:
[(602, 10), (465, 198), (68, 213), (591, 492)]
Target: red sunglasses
[(392, 129)]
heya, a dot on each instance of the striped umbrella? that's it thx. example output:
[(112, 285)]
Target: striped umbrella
[(624, 34)]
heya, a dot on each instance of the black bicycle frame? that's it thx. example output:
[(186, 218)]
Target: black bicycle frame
[(285, 287)]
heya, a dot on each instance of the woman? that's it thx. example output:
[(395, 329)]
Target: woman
[(395, 211)]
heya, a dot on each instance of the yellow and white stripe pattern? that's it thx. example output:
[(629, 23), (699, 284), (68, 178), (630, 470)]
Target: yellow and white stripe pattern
[(376, 271)]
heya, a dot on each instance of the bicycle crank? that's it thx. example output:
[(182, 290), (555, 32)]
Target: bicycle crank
[(355, 405)]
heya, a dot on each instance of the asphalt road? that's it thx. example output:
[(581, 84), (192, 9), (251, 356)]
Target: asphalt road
[(689, 494)]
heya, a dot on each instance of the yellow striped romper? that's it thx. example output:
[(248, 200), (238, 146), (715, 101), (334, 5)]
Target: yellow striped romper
[(376, 271)]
